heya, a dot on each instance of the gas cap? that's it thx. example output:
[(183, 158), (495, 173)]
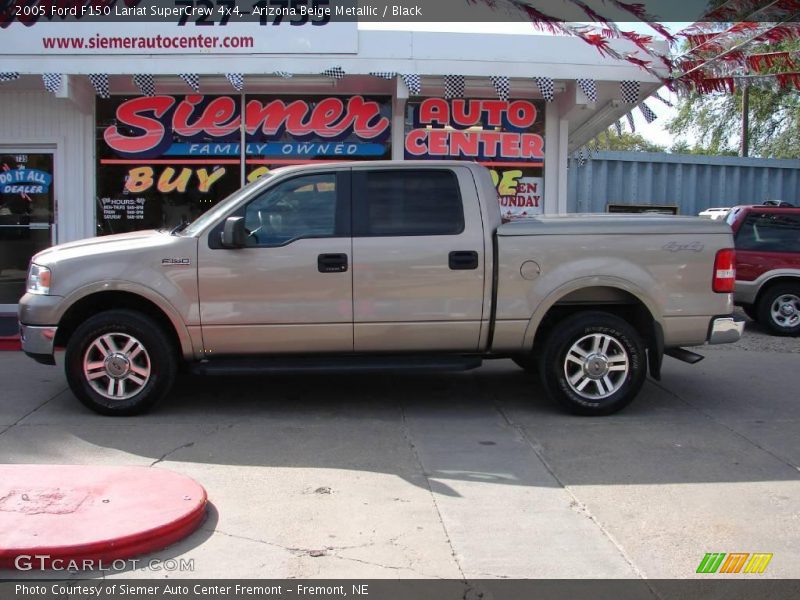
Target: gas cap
[(530, 269)]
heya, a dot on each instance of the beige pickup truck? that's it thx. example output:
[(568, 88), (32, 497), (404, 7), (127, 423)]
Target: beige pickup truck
[(381, 265)]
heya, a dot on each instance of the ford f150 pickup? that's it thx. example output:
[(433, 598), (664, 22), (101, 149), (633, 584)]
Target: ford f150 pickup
[(381, 265)]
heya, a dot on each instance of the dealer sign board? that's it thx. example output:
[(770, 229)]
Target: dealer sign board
[(163, 159)]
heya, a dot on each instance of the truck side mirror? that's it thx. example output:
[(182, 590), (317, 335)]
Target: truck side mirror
[(233, 233)]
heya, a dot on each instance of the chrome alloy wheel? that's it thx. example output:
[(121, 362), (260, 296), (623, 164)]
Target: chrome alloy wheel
[(596, 366), (117, 366), (785, 311)]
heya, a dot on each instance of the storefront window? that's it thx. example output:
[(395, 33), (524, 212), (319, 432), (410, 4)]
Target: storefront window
[(26, 216), (506, 137), (166, 159), (293, 130)]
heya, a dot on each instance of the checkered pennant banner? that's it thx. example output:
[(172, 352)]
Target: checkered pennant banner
[(384, 74), (631, 124), (629, 91), (662, 99), (100, 84), (647, 113), (192, 80), (236, 80), (334, 73), (618, 127), (546, 88), (284, 74), (146, 84), (413, 83), (52, 82), (8, 77), (454, 86), (589, 88), (502, 86), (581, 156)]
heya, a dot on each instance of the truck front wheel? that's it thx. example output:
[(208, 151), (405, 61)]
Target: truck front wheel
[(593, 363), (119, 362)]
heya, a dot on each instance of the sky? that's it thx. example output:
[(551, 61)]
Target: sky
[(653, 132)]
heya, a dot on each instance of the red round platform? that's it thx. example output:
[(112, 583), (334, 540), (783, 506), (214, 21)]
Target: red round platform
[(91, 513)]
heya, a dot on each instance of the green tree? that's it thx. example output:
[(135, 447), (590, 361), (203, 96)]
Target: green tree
[(683, 147), (716, 119), (628, 142)]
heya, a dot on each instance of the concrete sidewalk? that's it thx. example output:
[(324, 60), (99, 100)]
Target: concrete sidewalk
[(467, 475)]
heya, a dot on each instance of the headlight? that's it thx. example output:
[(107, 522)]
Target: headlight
[(38, 280)]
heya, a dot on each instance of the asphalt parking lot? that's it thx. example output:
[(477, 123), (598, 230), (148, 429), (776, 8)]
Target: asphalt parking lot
[(468, 475)]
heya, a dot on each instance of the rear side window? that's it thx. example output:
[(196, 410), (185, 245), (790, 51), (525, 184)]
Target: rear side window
[(406, 202), (769, 232)]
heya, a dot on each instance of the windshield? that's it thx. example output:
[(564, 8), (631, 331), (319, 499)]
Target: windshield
[(212, 215)]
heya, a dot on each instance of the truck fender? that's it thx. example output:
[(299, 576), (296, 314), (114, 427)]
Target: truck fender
[(581, 283), (184, 337)]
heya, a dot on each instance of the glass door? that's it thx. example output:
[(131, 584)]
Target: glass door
[(27, 211)]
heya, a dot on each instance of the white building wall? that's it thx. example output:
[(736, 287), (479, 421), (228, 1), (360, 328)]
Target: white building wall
[(44, 121)]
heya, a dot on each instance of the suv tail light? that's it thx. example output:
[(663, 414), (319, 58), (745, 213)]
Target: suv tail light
[(724, 271)]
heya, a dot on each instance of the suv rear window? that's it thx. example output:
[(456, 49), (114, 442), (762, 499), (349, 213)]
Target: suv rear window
[(409, 202), (770, 232)]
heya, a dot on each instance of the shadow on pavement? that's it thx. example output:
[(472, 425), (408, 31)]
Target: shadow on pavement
[(491, 425)]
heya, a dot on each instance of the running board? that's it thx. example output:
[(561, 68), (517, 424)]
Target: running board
[(335, 364), (684, 355)]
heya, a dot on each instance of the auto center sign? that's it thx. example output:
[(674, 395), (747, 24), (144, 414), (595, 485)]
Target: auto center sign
[(487, 131), (505, 136)]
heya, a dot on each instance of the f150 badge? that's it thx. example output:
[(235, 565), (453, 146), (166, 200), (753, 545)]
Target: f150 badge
[(175, 261)]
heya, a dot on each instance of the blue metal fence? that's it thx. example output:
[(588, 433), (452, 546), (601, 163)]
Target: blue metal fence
[(691, 182)]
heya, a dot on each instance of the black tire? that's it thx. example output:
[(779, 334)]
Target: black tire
[(778, 323), (621, 384), (750, 311), (157, 357)]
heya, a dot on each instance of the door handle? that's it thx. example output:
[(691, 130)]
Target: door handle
[(463, 260), (332, 263)]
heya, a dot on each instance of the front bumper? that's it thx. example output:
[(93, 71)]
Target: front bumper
[(725, 330), (38, 342)]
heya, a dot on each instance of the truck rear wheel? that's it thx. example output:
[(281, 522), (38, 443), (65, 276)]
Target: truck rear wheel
[(120, 362), (779, 309), (593, 363)]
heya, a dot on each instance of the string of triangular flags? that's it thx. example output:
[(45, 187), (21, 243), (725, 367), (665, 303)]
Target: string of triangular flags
[(629, 92), (454, 85), (742, 52)]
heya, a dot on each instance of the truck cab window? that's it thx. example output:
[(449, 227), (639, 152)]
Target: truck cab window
[(303, 207), (405, 202)]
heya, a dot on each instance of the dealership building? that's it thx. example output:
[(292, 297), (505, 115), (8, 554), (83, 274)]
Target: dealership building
[(126, 126)]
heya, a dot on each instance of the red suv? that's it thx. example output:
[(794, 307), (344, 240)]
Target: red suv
[(767, 240)]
